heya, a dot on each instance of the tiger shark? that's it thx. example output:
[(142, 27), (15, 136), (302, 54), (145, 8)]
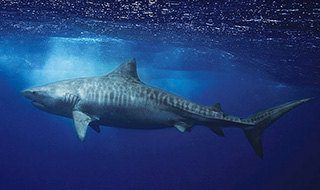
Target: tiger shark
[(121, 99)]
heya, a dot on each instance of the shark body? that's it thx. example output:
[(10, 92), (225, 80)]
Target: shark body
[(120, 99)]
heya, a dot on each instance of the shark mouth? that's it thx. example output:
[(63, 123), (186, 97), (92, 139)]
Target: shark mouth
[(38, 105)]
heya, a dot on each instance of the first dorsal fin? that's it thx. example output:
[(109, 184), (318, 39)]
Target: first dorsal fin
[(127, 70)]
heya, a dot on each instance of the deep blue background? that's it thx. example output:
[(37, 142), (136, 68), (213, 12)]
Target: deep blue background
[(41, 151)]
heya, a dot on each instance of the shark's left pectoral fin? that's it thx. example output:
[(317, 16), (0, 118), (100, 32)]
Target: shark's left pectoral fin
[(81, 122)]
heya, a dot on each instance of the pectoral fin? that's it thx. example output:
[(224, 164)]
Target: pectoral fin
[(81, 121), (182, 126), (95, 127)]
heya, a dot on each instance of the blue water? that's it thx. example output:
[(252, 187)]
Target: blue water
[(272, 61)]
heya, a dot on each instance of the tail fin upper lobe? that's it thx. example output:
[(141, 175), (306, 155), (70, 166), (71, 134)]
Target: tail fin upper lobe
[(265, 119)]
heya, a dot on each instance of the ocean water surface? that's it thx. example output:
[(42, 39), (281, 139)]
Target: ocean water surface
[(248, 56)]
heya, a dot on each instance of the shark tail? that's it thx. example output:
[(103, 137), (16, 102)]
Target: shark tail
[(264, 120)]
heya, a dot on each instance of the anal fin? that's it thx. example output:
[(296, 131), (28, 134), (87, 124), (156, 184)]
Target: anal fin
[(217, 131)]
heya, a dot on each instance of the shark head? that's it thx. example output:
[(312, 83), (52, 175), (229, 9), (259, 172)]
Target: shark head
[(40, 96), (52, 98)]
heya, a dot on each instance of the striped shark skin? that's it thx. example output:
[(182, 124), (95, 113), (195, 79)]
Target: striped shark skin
[(121, 99)]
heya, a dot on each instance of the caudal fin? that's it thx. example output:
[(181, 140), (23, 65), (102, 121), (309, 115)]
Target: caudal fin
[(265, 119)]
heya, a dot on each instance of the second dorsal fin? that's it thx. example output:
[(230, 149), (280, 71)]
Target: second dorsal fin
[(127, 70), (216, 107)]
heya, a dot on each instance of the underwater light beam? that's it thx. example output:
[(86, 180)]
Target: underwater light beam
[(71, 58)]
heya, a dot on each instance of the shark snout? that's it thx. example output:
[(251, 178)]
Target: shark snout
[(28, 93)]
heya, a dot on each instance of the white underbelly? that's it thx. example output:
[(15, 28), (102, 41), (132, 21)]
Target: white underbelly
[(147, 117)]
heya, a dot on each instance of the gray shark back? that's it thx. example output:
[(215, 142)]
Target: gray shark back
[(117, 98), (120, 98)]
